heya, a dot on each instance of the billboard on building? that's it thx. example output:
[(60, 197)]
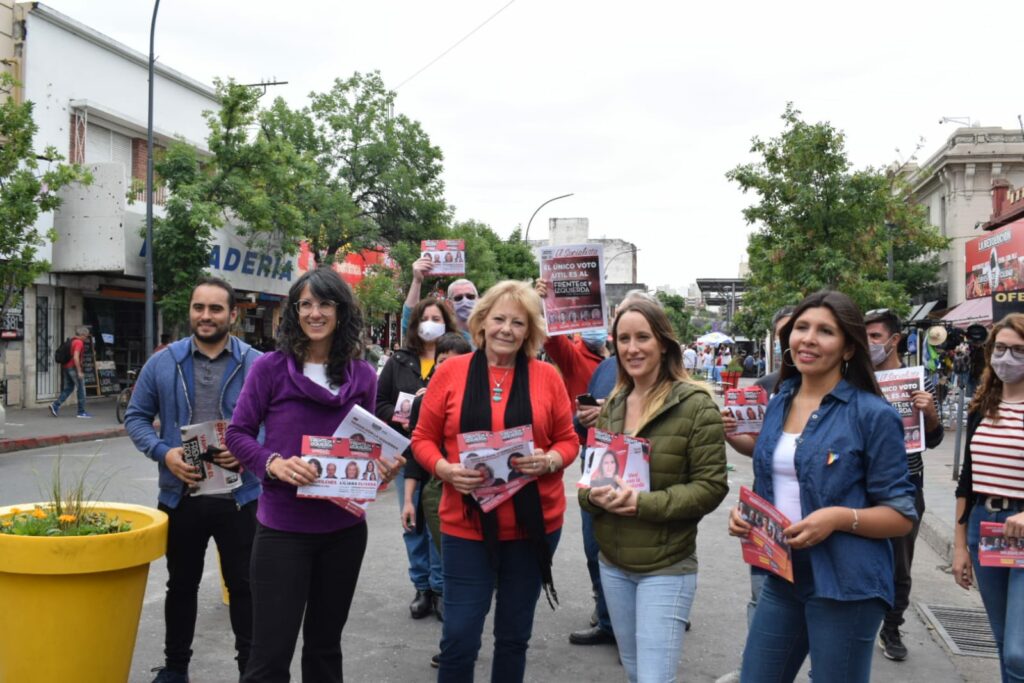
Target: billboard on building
[(994, 261)]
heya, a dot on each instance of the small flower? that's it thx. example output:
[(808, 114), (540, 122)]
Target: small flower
[(7, 524), (15, 511), (38, 513), (66, 518)]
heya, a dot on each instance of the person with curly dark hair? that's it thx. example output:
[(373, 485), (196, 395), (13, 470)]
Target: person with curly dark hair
[(308, 552)]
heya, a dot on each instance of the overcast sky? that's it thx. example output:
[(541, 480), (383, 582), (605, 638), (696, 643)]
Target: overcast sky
[(638, 108)]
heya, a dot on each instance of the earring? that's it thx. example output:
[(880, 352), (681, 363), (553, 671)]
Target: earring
[(846, 366), (791, 363)]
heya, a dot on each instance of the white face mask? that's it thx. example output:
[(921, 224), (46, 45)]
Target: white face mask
[(1008, 369), (430, 330)]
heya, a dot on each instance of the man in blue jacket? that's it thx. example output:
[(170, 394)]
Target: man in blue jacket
[(195, 380)]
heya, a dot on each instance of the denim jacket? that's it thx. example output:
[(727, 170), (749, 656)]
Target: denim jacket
[(850, 454)]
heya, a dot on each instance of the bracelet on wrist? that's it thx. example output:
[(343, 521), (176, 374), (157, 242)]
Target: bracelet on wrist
[(856, 520), (272, 458), (552, 463)]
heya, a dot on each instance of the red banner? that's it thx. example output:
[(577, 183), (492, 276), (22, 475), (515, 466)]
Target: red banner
[(993, 261)]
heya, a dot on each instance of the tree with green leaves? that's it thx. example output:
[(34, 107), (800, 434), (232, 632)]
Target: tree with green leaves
[(820, 224), (378, 294), (678, 316), (27, 189)]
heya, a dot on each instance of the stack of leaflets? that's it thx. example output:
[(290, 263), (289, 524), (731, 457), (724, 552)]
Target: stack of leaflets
[(898, 387), (362, 425), (346, 471), (747, 406), (765, 546), (610, 458), (996, 550), (491, 454), (200, 443), (448, 256)]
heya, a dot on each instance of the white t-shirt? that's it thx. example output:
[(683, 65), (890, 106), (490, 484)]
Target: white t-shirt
[(318, 373), (689, 359), (784, 481)]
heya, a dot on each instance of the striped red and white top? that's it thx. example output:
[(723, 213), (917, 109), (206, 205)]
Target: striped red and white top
[(997, 453)]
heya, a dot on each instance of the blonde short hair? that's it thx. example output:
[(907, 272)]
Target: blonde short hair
[(514, 292)]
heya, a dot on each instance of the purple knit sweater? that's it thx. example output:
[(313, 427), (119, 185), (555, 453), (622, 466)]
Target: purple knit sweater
[(288, 404)]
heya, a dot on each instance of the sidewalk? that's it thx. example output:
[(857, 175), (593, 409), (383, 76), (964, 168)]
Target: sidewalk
[(37, 428)]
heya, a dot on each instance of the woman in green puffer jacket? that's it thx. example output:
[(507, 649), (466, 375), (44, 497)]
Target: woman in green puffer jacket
[(648, 540)]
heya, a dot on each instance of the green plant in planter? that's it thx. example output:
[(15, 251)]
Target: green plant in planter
[(734, 365)]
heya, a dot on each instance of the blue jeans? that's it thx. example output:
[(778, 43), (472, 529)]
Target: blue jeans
[(73, 382), (424, 560), (1002, 591), (757, 580), (472, 582), (591, 550), (790, 622), (649, 616)]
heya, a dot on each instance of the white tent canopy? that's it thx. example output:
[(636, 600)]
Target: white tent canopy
[(715, 338)]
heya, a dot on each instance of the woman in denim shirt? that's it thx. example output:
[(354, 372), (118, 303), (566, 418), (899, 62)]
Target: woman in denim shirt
[(831, 457)]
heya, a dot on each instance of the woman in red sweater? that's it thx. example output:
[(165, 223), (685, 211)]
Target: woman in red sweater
[(509, 549)]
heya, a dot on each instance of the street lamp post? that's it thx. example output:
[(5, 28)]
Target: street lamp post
[(149, 194), (562, 196)]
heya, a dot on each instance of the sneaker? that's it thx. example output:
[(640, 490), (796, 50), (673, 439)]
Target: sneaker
[(84, 416), (54, 408), (166, 675), (435, 661), (891, 642)]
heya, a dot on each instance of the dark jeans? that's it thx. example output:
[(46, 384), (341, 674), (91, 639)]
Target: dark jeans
[(470, 583), (191, 525), (591, 550), (294, 573), (72, 382), (903, 558), (789, 623)]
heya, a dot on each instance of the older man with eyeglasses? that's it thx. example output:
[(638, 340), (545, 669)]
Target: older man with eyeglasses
[(462, 296)]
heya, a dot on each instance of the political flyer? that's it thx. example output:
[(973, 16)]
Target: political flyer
[(609, 456), (200, 442), (765, 546), (996, 550), (747, 406), (449, 256), (491, 454), (346, 471), (575, 299), (897, 386), (403, 408)]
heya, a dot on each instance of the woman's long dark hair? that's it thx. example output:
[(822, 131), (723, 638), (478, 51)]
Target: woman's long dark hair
[(412, 336), (990, 389), (859, 371), (347, 343)]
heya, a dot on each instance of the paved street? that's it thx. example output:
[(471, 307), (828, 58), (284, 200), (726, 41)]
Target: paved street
[(382, 643)]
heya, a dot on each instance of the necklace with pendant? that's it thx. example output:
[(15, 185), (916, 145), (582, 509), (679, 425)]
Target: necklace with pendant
[(497, 391)]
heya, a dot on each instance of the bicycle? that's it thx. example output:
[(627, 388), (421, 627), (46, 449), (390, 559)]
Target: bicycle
[(125, 397)]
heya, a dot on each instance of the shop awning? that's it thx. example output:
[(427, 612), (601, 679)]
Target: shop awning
[(970, 312)]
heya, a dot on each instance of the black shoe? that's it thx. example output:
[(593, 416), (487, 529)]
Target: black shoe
[(892, 644), (594, 621), (435, 661), (420, 605), (166, 675), (592, 636), (437, 603)]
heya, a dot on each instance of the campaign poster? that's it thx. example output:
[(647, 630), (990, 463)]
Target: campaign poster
[(347, 472), (449, 256), (897, 386), (609, 458), (747, 406), (993, 262), (403, 408), (199, 443), (491, 454), (996, 550), (765, 546), (576, 299)]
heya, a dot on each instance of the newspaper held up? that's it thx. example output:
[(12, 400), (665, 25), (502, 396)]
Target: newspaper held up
[(996, 550), (347, 472), (448, 256), (609, 456), (576, 298), (200, 442), (491, 454), (898, 387), (747, 406), (403, 408), (765, 547)]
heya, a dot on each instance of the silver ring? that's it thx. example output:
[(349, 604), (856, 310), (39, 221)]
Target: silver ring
[(294, 478)]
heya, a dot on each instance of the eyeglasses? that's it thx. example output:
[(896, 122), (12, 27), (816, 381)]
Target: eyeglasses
[(459, 297), (1000, 349), (305, 306)]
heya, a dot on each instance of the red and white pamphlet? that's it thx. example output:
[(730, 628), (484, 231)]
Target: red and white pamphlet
[(747, 406), (348, 475), (403, 408), (996, 550), (609, 456), (765, 546), (200, 442), (491, 453), (449, 256), (897, 386), (362, 425), (575, 299)]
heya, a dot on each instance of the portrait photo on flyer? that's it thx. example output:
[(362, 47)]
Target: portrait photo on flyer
[(575, 299), (200, 443), (492, 454), (609, 458), (897, 387), (747, 406), (448, 256), (765, 547)]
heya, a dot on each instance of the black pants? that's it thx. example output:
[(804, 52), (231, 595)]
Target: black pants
[(903, 558), (294, 573), (191, 525)]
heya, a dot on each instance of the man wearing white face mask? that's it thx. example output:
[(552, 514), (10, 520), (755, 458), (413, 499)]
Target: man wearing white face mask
[(883, 329), (462, 296)]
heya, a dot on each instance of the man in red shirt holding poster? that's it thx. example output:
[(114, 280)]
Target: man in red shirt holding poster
[(74, 376)]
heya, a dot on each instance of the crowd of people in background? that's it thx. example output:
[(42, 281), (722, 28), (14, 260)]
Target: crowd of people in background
[(830, 455)]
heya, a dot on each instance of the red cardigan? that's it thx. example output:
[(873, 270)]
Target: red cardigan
[(440, 415), (575, 360)]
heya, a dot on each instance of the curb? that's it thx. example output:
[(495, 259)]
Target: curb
[(25, 443), (938, 534)]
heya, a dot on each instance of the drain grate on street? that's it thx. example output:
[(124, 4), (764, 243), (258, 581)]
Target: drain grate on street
[(965, 630)]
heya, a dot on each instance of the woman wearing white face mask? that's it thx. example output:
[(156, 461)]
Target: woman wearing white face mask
[(991, 488), (407, 371)]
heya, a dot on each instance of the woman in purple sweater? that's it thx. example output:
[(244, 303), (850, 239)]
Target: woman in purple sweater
[(307, 552)]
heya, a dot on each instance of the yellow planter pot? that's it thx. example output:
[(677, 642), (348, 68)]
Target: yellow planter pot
[(71, 606)]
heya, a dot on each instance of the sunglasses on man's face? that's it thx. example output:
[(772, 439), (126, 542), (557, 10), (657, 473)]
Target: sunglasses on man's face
[(459, 297)]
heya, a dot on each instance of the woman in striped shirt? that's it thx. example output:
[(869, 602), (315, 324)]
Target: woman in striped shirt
[(991, 489)]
